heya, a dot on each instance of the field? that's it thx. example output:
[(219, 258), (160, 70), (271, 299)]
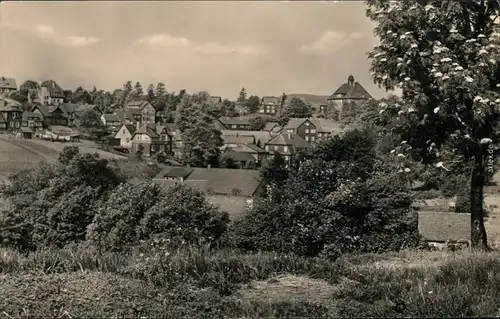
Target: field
[(16, 154), (199, 283)]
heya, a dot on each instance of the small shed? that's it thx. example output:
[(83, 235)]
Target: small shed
[(26, 132)]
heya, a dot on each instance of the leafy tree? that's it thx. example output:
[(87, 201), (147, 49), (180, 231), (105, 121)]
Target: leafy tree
[(228, 108), (80, 95), (242, 97), (151, 93), (252, 104), (137, 92), (257, 123), (183, 214), (227, 161), (297, 108), (140, 152), (274, 171), (443, 56), (91, 119), (114, 226), (28, 85), (127, 91)]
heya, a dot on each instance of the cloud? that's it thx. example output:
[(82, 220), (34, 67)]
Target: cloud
[(329, 41), (49, 34), (163, 40)]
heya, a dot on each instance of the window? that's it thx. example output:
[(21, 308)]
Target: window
[(275, 147), (261, 111), (267, 148), (307, 138), (320, 134), (285, 149), (233, 126), (123, 131), (17, 125), (313, 130), (290, 130), (307, 123), (127, 140), (307, 130), (312, 138)]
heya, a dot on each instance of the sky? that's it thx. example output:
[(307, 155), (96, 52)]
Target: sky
[(268, 48)]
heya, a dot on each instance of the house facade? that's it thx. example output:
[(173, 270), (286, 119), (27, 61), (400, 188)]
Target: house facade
[(111, 121), (270, 105), (287, 144), (139, 111), (304, 128), (155, 139), (51, 114), (10, 115), (258, 154), (7, 85), (49, 93), (348, 93), (236, 123), (32, 120), (124, 135)]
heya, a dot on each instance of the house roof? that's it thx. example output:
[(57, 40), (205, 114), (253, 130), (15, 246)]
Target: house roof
[(174, 171), (110, 117), (327, 126), (269, 126), (136, 104), (235, 121), (9, 105), (294, 123), (25, 129), (219, 181), (26, 115), (273, 100), (239, 156), (255, 148), (351, 90), (54, 89), (444, 226), (238, 139), (261, 136), (8, 83), (131, 128), (148, 130), (44, 109), (2, 119), (289, 139), (69, 107)]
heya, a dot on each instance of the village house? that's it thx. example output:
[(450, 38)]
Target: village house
[(287, 144), (137, 111), (111, 121), (233, 190), (236, 140), (124, 135), (247, 152), (177, 142), (261, 137), (304, 128), (49, 93), (326, 128), (270, 105), (32, 120), (346, 94), (51, 114), (7, 85), (10, 115), (235, 123), (155, 139)]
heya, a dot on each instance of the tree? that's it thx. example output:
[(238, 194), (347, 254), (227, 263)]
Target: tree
[(274, 171), (228, 108), (137, 92), (151, 93), (242, 97), (80, 95), (139, 153), (126, 93), (252, 104), (297, 108), (443, 56), (257, 123), (91, 119)]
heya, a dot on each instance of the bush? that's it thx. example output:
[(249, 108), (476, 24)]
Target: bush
[(115, 224), (183, 214)]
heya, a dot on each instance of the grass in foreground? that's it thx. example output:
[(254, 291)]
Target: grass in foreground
[(199, 283)]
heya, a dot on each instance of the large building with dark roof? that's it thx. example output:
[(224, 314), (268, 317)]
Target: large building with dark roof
[(349, 93)]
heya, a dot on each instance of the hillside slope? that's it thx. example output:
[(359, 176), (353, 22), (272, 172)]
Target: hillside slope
[(16, 154)]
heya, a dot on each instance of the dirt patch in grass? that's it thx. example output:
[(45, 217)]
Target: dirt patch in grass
[(288, 287)]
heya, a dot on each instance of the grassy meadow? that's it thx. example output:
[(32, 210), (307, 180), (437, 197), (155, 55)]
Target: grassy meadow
[(188, 282)]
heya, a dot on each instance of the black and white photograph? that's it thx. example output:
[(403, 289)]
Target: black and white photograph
[(250, 159)]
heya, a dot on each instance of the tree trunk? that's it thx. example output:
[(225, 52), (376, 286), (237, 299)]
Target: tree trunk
[(478, 232)]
